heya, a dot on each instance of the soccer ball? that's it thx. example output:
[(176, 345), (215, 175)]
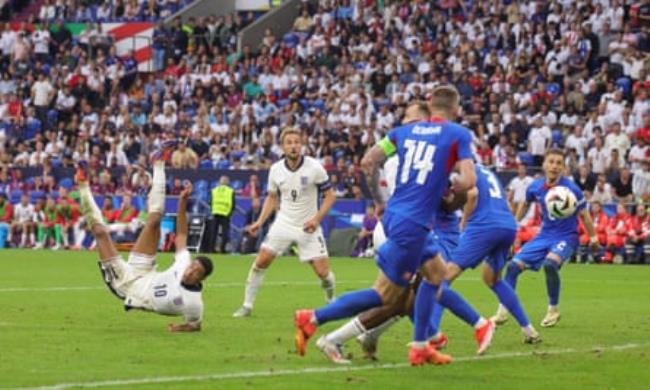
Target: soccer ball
[(560, 202)]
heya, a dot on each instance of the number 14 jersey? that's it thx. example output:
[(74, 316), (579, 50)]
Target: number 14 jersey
[(427, 153)]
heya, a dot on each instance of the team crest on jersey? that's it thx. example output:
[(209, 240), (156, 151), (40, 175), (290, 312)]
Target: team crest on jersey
[(178, 301), (303, 180)]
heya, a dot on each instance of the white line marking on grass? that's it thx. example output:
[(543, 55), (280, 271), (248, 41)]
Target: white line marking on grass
[(210, 285), (320, 370)]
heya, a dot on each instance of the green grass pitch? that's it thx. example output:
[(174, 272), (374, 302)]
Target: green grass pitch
[(60, 325)]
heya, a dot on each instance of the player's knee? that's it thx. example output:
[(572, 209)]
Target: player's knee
[(551, 265)]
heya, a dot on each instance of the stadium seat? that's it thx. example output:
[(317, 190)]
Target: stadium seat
[(625, 85), (526, 158), (15, 195), (33, 128), (553, 88), (558, 138), (35, 195), (223, 164), (214, 184), (206, 164), (237, 185), (66, 183)]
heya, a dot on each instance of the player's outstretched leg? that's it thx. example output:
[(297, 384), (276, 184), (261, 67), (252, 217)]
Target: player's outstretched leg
[(147, 243), (367, 327), (422, 351), (513, 270), (306, 321), (509, 299), (94, 219), (552, 266), (328, 282), (255, 278)]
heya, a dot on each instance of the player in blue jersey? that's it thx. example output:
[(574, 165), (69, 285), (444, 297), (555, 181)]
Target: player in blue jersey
[(557, 240), (371, 324), (489, 230), (427, 151)]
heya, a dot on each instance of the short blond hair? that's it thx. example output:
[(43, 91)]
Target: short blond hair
[(288, 130), (444, 98)]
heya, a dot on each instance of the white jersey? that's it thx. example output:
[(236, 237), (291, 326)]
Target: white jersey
[(24, 214), (141, 287), (389, 176), (298, 190)]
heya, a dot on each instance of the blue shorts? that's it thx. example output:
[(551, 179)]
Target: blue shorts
[(534, 252), (399, 257), (476, 245), (442, 244)]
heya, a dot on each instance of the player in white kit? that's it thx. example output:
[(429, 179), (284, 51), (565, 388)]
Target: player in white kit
[(295, 182), (175, 291), (23, 223)]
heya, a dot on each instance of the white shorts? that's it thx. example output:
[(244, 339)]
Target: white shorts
[(129, 280), (378, 235), (281, 235)]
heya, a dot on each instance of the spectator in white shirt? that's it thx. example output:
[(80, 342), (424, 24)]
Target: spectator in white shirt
[(597, 157), (517, 187), (539, 140), (616, 139), (641, 182), (637, 154), (602, 192), (577, 141)]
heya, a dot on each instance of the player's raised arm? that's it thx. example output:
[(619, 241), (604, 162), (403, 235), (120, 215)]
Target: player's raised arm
[(181, 219)]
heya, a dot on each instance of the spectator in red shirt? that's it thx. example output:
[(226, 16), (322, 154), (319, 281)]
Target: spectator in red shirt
[(252, 188), (601, 224), (123, 217), (617, 233), (177, 187), (639, 232), (6, 216)]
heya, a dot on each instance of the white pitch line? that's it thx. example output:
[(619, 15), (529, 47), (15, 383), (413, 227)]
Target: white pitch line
[(320, 370), (211, 285)]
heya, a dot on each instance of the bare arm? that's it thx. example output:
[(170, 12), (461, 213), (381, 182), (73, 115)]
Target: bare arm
[(467, 178), (470, 206), (370, 164), (181, 219), (522, 210), (270, 204), (588, 222), (313, 223)]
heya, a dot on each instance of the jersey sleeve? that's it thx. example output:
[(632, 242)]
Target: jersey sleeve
[(272, 186), (193, 313), (182, 259), (530, 193), (389, 143), (580, 197), (321, 178), (465, 145)]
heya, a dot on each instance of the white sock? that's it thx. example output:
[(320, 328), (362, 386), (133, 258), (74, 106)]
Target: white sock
[(552, 308), (502, 309), (348, 331), (253, 283), (328, 284), (64, 236), (32, 238), (157, 193), (419, 344), (480, 323), (528, 330), (381, 328), (90, 210), (23, 240)]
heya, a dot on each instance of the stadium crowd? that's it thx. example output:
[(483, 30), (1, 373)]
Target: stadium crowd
[(532, 75)]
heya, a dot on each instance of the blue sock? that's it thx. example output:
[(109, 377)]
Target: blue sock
[(552, 281), (348, 305), (434, 321), (509, 299), (512, 273), (425, 299), (456, 304)]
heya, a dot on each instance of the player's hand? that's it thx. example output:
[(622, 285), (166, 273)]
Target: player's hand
[(379, 209), (187, 190), (311, 225), (594, 244), (252, 229)]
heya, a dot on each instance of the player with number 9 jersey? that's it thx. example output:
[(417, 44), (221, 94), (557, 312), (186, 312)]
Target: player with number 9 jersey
[(427, 151)]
